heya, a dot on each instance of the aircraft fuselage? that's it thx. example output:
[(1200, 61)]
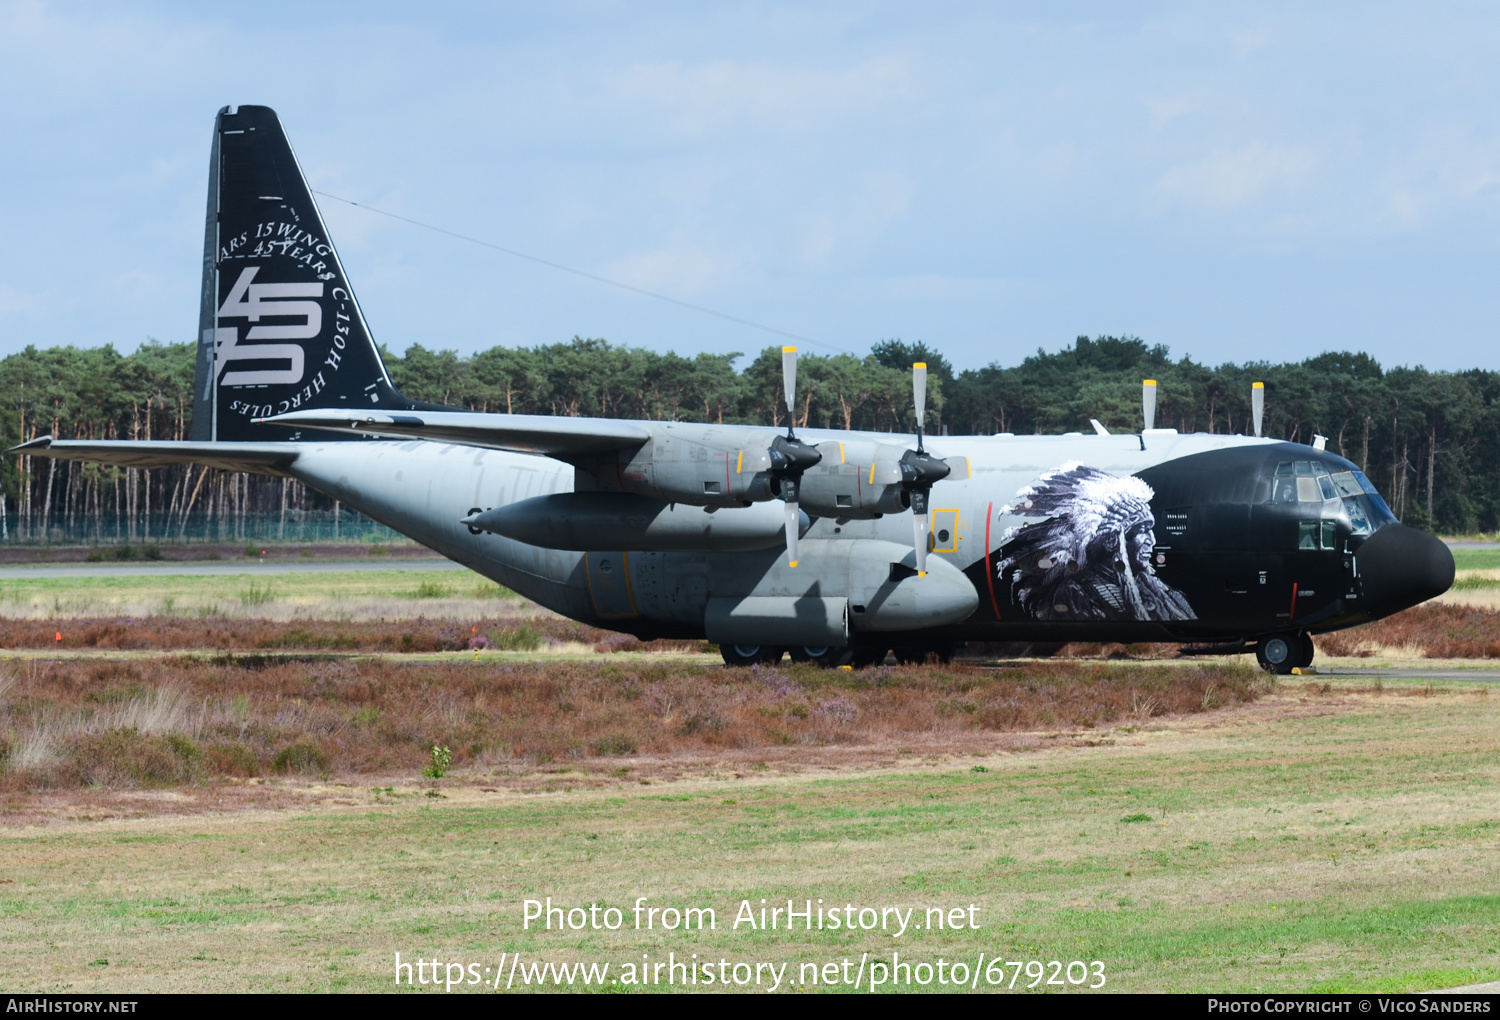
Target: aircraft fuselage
[(1228, 550)]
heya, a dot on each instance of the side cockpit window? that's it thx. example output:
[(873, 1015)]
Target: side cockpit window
[(1317, 535)]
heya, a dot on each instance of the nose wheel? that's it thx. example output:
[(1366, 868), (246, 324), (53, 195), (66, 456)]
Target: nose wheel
[(1282, 653)]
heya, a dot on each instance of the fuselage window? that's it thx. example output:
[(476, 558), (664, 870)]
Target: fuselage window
[(1317, 534)]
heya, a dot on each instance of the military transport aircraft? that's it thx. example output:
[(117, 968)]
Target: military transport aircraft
[(837, 547)]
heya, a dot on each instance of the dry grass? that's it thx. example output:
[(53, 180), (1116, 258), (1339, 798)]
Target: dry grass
[(168, 721), (521, 632), (369, 595), (1432, 631), (1324, 838)]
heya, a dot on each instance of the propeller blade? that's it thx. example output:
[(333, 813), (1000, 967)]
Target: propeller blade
[(1258, 404), (919, 528), (789, 381), (919, 396), (793, 527), (1148, 402)]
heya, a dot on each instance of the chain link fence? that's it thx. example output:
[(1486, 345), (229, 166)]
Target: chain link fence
[(295, 526)]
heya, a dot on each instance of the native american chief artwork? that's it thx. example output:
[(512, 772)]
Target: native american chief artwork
[(1090, 559)]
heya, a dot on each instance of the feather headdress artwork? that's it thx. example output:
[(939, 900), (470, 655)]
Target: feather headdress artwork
[(1090, 558)]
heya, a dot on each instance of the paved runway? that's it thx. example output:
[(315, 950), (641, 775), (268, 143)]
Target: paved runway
[(1482, 675), (246, 566)]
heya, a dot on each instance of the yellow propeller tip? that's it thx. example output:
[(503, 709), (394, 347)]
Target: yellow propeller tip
[(789, 350), (1149, 382), (1258, 386), (793, 563), (921, 573)]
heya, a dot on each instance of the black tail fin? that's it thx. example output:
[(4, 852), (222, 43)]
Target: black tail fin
[(279, 328)]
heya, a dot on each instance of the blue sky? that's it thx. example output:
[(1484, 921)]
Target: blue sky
[(1234, 181)]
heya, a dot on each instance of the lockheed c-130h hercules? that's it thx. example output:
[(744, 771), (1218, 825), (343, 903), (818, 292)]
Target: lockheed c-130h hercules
[(837, 547)]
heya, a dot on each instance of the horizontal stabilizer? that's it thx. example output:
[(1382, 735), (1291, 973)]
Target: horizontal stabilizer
[(560, 437), (256, 458)]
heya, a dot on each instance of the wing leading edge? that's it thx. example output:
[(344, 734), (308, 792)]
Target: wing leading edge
[(562, 438)]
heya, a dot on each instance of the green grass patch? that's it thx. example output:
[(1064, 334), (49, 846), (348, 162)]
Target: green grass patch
[(1476, 559)]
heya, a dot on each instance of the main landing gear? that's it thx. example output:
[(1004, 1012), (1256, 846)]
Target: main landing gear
[(769, 655), (859, 656), (751, 655), (1282, 653)]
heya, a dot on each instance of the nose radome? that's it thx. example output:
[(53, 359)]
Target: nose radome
[(1401, 566)]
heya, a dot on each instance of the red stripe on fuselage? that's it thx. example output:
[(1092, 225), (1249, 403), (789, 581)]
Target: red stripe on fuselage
[(989, 571)]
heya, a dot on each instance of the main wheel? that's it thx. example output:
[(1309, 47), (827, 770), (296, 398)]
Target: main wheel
[(750, 655), (1279, 653), (1305, 650), (916, 655), (823, 655)]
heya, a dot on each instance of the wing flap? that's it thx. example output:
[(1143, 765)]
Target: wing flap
[(256, 458), (559, 437)]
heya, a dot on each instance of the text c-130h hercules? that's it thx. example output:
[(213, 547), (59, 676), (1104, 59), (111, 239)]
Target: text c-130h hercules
[(834, 546)]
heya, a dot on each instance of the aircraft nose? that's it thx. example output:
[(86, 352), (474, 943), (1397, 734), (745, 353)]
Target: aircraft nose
[(1401, 567)]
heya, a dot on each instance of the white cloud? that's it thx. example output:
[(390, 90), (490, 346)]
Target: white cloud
[(15, 302), (714, 97), (678, 271), (1225, 179)]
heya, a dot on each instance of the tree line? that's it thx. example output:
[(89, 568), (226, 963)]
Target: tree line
[(1430, 441)]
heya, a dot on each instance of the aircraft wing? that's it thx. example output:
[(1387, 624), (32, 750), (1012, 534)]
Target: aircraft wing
[(560, 437), (257, 458)]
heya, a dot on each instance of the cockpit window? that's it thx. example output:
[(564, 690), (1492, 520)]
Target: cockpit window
[(1347, 484), (1306, 481), (1359, 523)]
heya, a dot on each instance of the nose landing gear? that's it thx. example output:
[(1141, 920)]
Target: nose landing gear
[(1282, 653)]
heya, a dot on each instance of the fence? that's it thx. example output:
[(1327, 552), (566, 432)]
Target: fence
[(299, 526)]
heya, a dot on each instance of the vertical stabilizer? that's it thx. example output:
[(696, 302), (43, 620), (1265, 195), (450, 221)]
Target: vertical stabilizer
[(279, 328)]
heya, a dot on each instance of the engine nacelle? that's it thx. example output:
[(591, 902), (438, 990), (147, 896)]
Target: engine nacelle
[(854, 480), (699, 466)]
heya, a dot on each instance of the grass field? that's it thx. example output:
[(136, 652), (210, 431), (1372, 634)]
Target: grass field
[(352, 595), (1476, 559), (261, 821), (388, 594), (1323, 838)]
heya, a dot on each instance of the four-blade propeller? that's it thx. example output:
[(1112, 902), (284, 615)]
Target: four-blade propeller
[(790, 456), (920, 470)]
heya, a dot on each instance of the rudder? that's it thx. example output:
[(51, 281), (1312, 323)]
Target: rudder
[(279, 327)]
